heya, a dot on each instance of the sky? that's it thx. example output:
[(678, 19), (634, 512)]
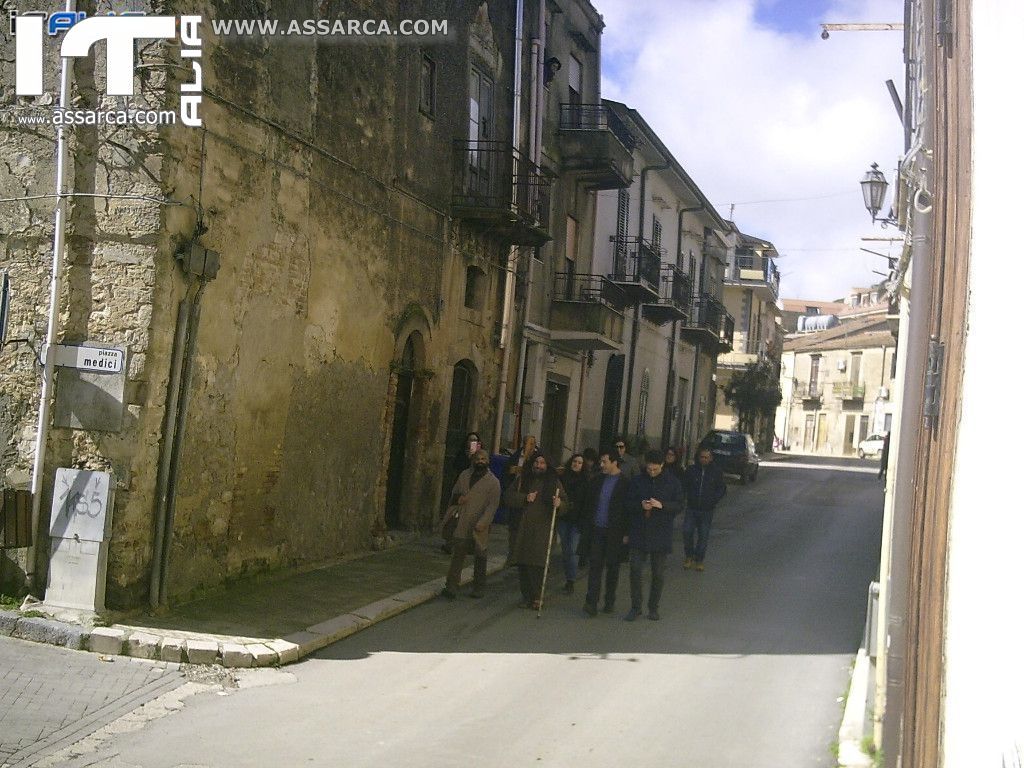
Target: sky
[(766, 116)]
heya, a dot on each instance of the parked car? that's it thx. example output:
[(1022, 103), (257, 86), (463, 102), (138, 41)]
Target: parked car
[(871, 446), (734, 453)]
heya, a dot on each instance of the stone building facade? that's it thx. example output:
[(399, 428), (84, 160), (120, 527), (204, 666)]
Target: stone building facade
[(356, 200)]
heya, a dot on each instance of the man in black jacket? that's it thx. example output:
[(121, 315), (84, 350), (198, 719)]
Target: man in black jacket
[(609, 519), (655, 499), (704, 487)]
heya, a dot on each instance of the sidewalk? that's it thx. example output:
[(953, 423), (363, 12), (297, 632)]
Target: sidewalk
[(270, 621)]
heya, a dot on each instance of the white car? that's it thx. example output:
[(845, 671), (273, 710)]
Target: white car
[(872, 446)]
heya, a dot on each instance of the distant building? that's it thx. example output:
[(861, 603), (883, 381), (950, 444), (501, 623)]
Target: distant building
[(751, 296), (837, 382)]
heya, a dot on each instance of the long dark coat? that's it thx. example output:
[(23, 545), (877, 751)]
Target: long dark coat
[(531, 544), (652, 532), (618, 516)]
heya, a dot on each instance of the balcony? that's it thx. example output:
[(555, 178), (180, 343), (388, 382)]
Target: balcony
[(756, 272), (847, 390), (674, 301), (496, 186), (636, 268), (596, 145), (807, 391), (586, 312), (709, 323)]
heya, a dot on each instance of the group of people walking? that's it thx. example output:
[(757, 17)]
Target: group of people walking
[(607, 507)]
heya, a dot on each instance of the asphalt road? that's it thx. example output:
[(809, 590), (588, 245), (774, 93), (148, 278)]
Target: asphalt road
[(745, 669)]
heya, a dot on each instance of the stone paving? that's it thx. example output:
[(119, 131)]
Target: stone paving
[(50, 696)]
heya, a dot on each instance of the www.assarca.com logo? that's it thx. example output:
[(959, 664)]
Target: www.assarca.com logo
[(120, 34)]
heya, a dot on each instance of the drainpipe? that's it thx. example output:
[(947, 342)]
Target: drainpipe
[(56, 282), (179, 433), (169, 439), (915, 354), (693, 391), (536, 136), (635, 331), (200, 266), (666, 423), (508, 306)]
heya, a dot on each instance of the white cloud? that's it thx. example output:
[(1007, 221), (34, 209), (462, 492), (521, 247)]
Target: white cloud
[(754, 113)]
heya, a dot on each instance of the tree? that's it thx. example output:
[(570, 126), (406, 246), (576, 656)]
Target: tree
[(755, 394)]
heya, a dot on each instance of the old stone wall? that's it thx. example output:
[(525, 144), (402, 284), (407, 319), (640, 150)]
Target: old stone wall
[(326, 194)]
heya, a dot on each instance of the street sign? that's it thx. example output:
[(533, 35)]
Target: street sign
[(95, 359)]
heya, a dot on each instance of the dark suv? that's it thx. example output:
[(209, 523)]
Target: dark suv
[(734, 453)]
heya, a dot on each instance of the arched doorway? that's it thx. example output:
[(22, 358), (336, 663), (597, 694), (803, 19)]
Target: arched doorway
[(406, 394), (460, 421)]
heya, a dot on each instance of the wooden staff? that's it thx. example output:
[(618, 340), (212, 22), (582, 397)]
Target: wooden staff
[(547, 560)]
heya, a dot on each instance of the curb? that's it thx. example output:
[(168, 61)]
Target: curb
[(851, 730), (230, 652)]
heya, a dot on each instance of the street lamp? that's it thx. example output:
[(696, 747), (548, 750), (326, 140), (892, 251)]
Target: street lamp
[(874, 186)]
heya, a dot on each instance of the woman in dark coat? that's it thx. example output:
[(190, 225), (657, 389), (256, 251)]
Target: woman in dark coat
[(574, 480), (536, 494), (674, 463)]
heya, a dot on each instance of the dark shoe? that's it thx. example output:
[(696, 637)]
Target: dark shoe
[(477, 593), (590, 610), (633, 615), (608, 608), (653, 615), (568, 588), (446, 548), (448, 594)]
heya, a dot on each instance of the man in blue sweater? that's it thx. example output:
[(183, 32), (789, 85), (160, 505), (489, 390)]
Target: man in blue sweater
[(655, 499)]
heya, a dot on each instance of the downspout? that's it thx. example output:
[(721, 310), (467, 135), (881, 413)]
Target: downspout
[(666, 422), (635, 330), (909, 437), (191, 336), (160, 529), (508, 306), (56, 283), (536, 132)]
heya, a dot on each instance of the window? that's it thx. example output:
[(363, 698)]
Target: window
[(656, 234), (481, 159), (575, 81), (812, 384), (855, 358), (570, 238), (428, 91), (476, 288), (481, 102), (645, 393)]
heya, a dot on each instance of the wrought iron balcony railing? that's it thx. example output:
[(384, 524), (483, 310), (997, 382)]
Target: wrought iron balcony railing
[(588, 289), (674, 296), (492, 179), (808, 391), (595, 117), (848, 390), (636, 260)]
